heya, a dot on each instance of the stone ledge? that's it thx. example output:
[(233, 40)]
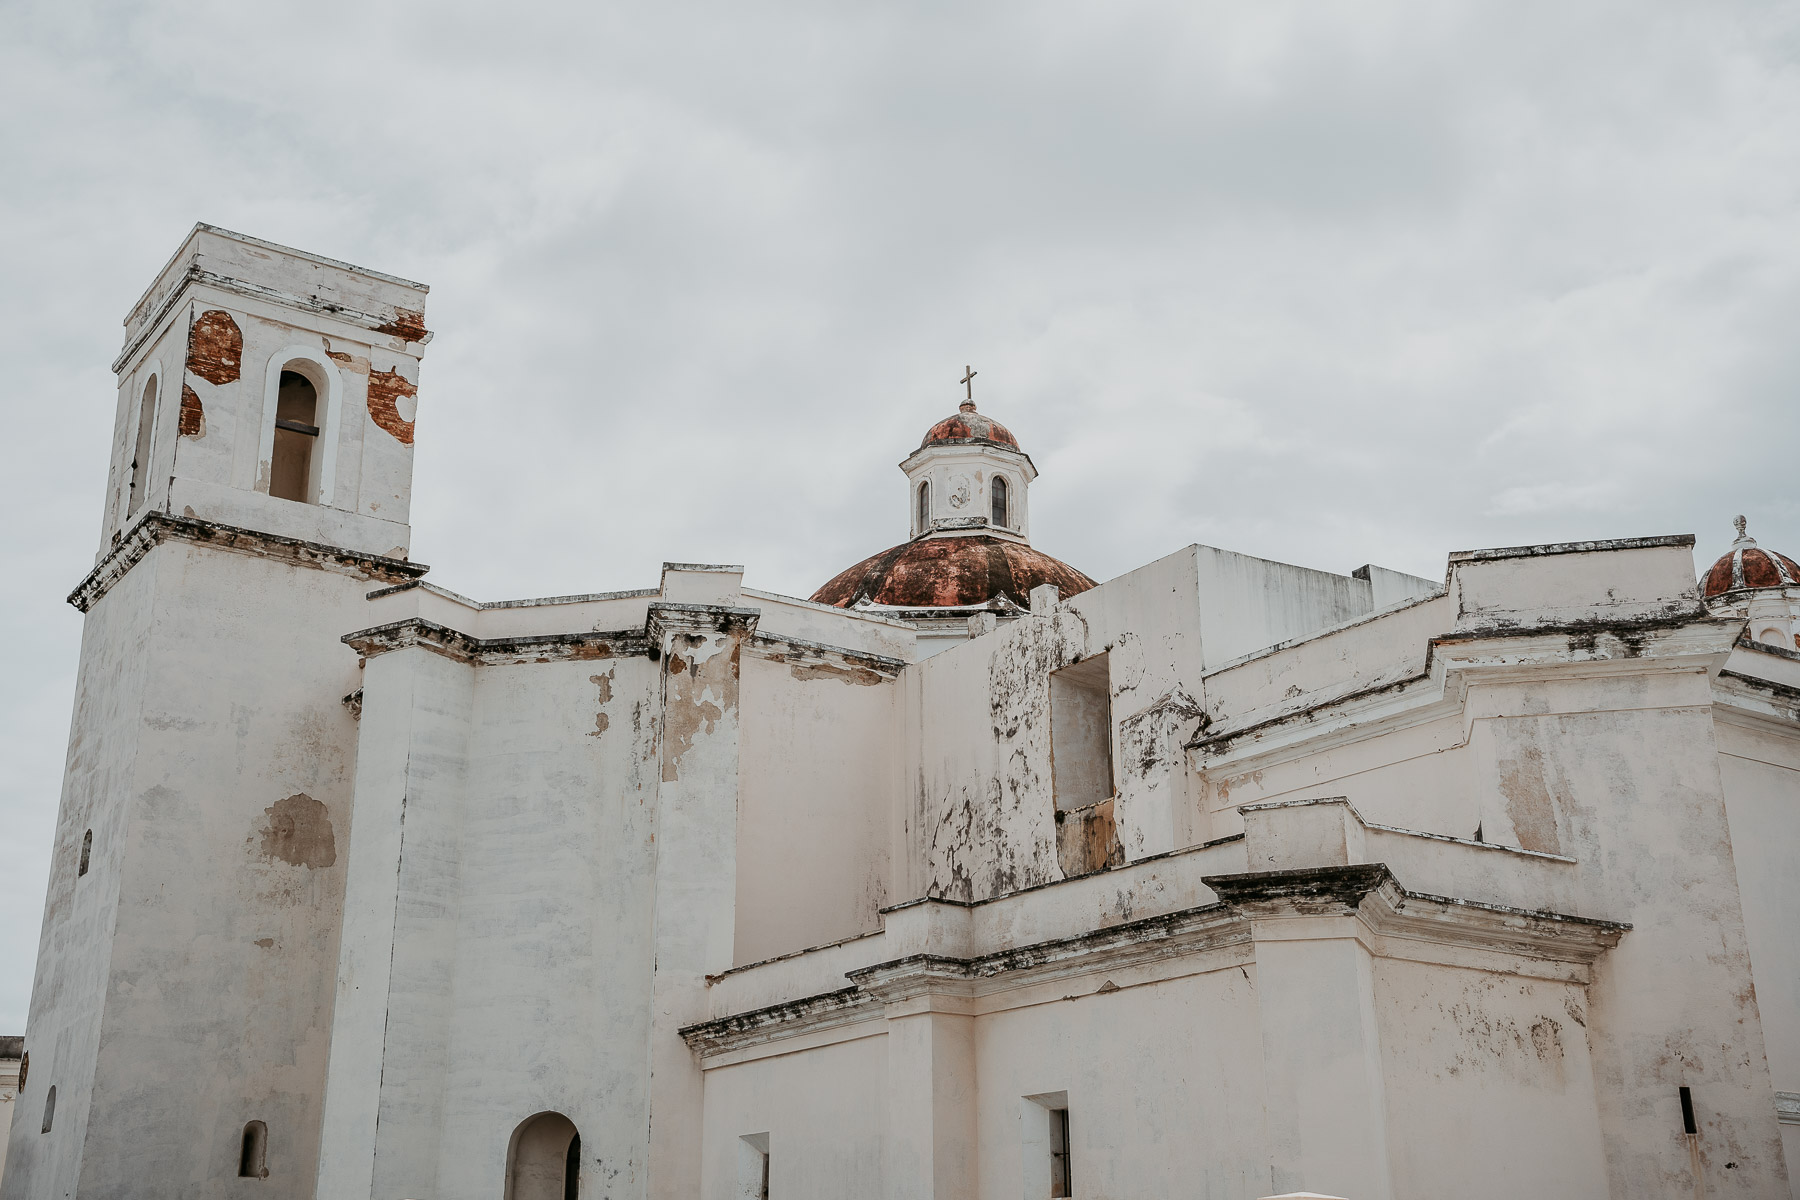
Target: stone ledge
[(155, 528), (1682, 540)]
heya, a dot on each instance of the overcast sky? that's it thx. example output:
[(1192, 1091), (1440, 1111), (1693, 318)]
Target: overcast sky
[(1330, 284)]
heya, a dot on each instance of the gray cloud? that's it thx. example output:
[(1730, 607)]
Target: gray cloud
[(1333, 285)]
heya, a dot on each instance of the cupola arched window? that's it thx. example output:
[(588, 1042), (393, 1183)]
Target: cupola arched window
[(924, 505), (999, 493), (296, 438)]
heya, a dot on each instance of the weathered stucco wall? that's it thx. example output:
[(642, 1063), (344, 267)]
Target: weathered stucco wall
[(1568, 710), (818, 781), (1759, 762), (1180, 1113), (1491, 1089), (824, 1114), (230, 791), (75, 945)]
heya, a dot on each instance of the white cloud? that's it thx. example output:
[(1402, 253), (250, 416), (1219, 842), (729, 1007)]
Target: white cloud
[(1334, 284)]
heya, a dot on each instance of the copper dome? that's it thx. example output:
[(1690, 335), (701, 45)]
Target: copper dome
[(1747, 566), (941, 572), (969, 426)]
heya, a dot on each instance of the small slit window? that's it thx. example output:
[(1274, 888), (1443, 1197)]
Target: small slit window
[(253, 1152), (1061, 1177), (140, 455), (924, 506), (999, 502), (87, 848), (49, 1109), (291, 474)]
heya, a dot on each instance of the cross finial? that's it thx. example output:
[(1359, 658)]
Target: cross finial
[(968, 381)]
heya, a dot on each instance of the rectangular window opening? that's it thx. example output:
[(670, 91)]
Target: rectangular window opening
[(1049, 1166), (1081, 767), (1081, 734)]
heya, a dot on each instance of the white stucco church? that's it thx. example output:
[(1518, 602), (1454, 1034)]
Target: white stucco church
[(968, 878)]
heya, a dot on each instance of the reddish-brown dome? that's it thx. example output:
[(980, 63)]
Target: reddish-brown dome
[(968, 426), (939, 572), (1749, 567)]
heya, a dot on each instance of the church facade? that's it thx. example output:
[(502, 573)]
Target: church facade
[(968, 878)]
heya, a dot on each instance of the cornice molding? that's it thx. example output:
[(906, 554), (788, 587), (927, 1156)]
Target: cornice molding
[(800, 653), (1370, 891), (1570, 650), (196, 274), (1758, 701), (497, 652), (1366, 891), (665, 618), (155, 528)]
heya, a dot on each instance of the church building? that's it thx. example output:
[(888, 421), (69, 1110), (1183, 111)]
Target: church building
[(967, 878)]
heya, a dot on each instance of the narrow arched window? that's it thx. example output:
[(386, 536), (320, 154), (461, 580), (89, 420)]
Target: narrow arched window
[(87, 848), (296, 438), (999, 494), (140, 455), (924, 505), (49, 1109), (253, 1152)]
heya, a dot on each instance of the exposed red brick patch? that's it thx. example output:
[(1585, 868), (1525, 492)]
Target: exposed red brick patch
[(406, 324), (936, 572), (193, 417), (215, 347), (385, 390)]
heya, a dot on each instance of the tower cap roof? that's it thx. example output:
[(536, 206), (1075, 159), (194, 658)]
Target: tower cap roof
[(967, 425)]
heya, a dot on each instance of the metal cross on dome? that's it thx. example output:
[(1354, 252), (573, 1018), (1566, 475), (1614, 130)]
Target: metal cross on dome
[(968, 381)]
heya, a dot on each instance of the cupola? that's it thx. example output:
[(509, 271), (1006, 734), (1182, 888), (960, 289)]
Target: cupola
[(968, 510), (1759, 586)]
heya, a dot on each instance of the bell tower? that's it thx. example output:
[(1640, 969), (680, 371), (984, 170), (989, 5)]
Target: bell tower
[(259, 489), (269, 389)]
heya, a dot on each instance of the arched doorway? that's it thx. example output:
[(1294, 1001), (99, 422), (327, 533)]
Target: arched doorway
[(544, 1160)]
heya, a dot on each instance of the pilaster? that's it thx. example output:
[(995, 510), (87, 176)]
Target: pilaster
[(1325, 1100), (389, 1046), (698, 646)]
